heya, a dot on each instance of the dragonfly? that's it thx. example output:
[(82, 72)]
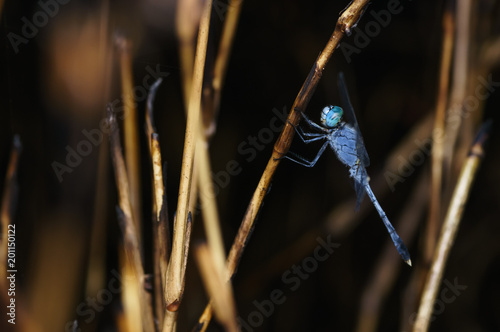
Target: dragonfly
[(346, 141)]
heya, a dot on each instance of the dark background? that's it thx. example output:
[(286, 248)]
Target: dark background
[(393, 85)]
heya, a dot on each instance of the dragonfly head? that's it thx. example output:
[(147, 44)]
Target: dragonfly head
[(330, 116)]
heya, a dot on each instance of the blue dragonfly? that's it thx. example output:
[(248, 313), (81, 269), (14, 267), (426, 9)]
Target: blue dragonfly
[(346, 141)]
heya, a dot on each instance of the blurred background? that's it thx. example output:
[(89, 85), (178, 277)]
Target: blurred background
[(60, 68)]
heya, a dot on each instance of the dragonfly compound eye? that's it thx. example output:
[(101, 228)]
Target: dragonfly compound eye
[(331, 115)]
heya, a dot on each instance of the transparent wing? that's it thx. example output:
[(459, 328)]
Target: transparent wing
[(351, 117)]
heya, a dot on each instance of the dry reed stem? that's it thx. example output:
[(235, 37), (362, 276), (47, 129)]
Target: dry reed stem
[(187, 20), (131, 136), (434, 218), (160, 202), (159, 207), (219, 290), (175, 269), (460, 79), (150, 126), (388, 265), (449, 229), (131, 243), (96, 270), (221, 62), (204, 319), (170, 317), (160, 228), (9, 199), (170, 321), (209, 205)]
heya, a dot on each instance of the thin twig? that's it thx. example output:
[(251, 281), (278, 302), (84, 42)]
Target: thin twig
[(96, 270), (449, 229), (219, 290), (209, 205), (437, 137), (187, 20), (221, 62), (150, 126), (175, 268), (160, 215), (131, 243), (460, 79), (131, 135), (160, 226)]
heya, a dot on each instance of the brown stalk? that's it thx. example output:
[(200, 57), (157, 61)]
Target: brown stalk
[(131, 243), (449, 229), (159, 207), (170, 317), (221, 62), (219, 290), (175, 282), (96, 271), (131, 135), (460, 79), (160, 226), (209, 205), (437, 136), (187, 20)]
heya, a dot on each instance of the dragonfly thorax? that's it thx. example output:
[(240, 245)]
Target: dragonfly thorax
[(331, 116)]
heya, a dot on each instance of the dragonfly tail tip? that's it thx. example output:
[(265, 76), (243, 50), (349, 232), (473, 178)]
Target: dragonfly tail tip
[(408, 262)]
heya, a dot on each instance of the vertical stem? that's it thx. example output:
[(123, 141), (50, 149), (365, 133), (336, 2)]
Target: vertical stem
[(449, 231), (131, 136), (438, 134), (175, 268)]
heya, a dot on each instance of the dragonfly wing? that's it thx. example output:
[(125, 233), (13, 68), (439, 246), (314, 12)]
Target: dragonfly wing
[(358, 173), (349, 113)]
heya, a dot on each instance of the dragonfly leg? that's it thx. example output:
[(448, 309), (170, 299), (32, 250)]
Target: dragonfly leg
[(315, 136), (311, 123), (303, 161)]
